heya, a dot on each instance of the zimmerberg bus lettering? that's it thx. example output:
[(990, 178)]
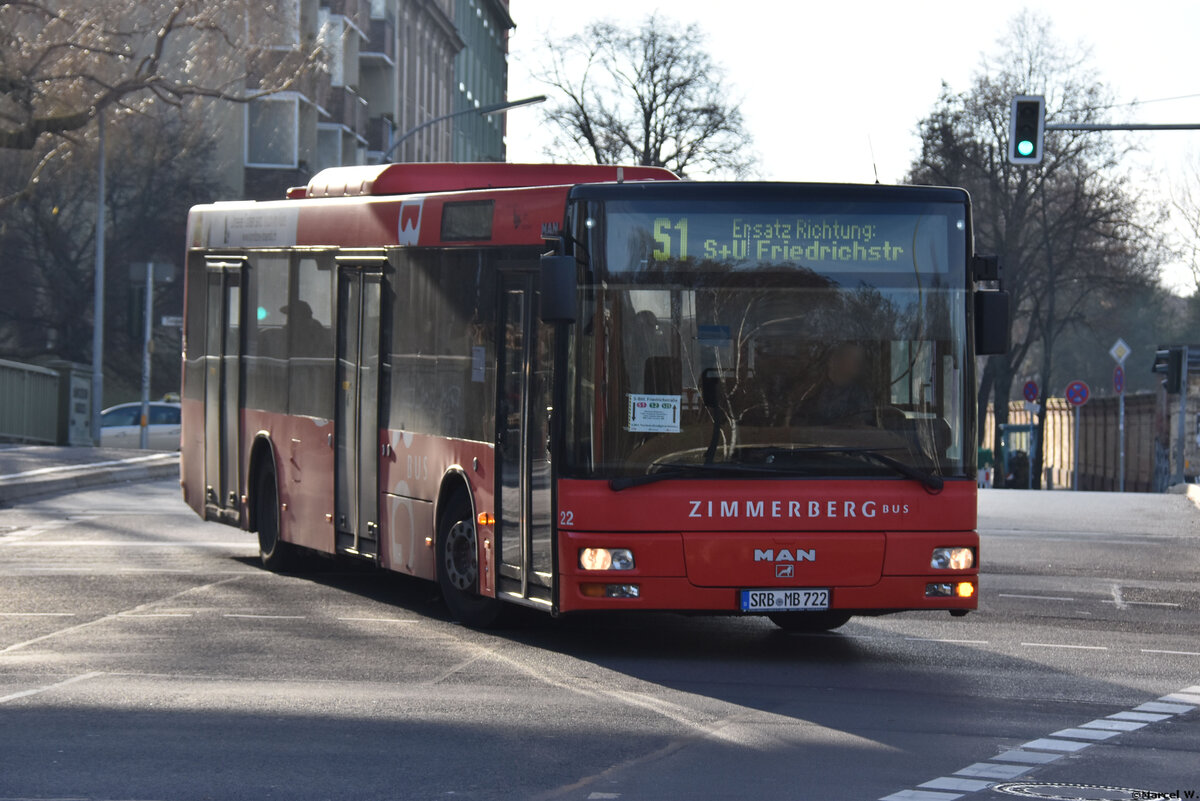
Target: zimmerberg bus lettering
[(792, 509)]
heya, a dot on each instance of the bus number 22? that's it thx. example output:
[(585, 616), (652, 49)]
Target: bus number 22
[(566, 518), (662, 238)]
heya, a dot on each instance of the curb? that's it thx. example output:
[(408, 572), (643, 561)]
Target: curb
[(65, 478)]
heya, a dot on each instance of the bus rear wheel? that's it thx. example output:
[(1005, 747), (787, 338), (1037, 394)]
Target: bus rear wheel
[(458, 567), (810, 621), (274, 552)]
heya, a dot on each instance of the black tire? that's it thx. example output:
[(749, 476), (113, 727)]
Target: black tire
[(275, 553), (457, 557), (810, 621)]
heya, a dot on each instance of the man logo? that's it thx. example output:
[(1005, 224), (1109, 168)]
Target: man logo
[(785, 571)]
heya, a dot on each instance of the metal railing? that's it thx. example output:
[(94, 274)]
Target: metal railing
[(28, 403)]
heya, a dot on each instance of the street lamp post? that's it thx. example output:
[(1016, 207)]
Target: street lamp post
[(484, 111)]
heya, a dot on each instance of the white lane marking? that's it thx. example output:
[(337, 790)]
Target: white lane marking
[(1145, 717), (951, 783), (156, 614), (37, 614), (1158, 706), (1084, 734), (1116, 597), (268, 617), (1143, 603), (1032, 757), (1053, 747), (1063, 645), (18, 646), (26, 693), (988, 770), (378, 620), (42, 471), (921, 795), (1177, 653), (938, 639), (1034, 597), (1046, 744), (598, 796), (1112, 725)]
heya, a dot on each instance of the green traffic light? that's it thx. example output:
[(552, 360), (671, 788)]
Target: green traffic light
[(1025, 147)]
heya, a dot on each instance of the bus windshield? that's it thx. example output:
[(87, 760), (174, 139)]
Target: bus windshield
[(804, 338)]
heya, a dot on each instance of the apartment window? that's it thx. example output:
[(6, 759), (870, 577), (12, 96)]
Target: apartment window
[(271, 125)]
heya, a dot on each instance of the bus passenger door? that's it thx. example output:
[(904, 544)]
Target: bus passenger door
[(356, 463), (524, 523), (222, 395)]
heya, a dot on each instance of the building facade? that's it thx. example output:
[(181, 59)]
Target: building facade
[(371, 78), (481, 69)]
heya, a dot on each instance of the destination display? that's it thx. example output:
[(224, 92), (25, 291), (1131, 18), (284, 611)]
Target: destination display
[(744, 239)]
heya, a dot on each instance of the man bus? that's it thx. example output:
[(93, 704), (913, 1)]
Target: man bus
[(596, 388)]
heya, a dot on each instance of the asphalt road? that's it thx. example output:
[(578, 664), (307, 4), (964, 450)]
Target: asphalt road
[(144, 655)]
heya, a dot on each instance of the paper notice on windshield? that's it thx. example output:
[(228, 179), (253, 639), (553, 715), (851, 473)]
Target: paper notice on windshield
[(654, 413)]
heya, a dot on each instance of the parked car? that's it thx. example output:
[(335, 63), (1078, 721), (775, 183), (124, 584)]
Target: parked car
[(120, 426)]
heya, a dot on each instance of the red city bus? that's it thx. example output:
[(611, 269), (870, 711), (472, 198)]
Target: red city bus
[(744, 398)]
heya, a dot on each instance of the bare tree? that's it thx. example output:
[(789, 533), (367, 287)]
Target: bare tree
[(48, 241), (651, 96), (1068, 231), (62, 62)]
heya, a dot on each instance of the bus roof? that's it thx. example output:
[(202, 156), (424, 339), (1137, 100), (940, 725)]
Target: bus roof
[(412, 179)]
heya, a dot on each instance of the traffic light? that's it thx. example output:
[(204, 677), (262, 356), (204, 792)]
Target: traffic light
[(1026, 129), (1174, 370)]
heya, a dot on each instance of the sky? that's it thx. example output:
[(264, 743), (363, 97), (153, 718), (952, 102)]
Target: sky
[(830, 91)]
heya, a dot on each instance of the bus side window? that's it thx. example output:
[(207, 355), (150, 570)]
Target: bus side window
[(311, 342)]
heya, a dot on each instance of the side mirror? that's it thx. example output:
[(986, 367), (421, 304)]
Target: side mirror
[(991, 323), (559, 289)]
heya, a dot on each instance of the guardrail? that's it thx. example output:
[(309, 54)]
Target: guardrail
[(28, 403)]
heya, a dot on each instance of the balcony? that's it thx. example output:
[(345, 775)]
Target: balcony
[(268, 69), (356, 12), (381, 41), (381, 132), (348, 109)]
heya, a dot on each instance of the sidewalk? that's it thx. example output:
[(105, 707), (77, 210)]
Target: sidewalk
[(29, 470)]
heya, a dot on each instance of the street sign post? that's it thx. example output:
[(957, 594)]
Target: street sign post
[(1077, 394), (1031, 391), (1120, 352)]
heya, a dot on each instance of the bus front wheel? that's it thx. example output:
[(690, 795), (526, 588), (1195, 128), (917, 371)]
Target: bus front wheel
[(810, 621), (458, 567), (274, 552)]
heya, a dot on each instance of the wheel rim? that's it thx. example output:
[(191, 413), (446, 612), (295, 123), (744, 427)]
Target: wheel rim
[(461, 559)]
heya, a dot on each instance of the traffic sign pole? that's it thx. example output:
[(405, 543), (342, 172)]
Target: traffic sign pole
[(1120, 352), (1077, 394), (1119, 386)]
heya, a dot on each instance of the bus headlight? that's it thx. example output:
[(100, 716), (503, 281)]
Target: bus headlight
[(606, 559), (952, 559)]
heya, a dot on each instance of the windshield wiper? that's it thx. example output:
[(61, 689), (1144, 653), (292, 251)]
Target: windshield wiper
[(677, 469), (930, 480)]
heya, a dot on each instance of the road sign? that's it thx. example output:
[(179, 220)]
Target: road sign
[(1031, 391), (1119, 351), (1119, 379), (1077, 393)]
